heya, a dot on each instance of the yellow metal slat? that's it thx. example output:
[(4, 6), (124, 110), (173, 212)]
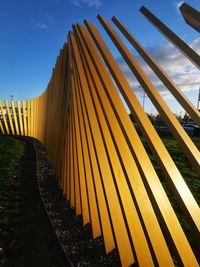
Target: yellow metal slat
[(4, 118), (15, 117), (118, 223), (9, 117)]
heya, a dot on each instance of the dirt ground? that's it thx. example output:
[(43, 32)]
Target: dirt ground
[(26, 237)]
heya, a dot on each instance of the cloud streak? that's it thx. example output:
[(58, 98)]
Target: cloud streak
[(42, 26), (177, 66), (89, 3), (43, 22)]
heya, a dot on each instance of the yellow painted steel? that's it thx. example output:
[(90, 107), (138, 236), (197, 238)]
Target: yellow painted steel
[(162, 75), (103, 209), (176, 128), (96, 153), (76, 175), (71, 168), (82, 173), (1, 127), (184, 196), (24, 112), (118, 223), (9, 117), (29, 117), (67, 182), (122, 186), (15, 117), (172, 37), (88, 171), (129, 167), (4, 118), (20, 118)]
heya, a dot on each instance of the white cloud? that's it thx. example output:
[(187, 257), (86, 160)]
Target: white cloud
[(48, 18), (176, 65), (89, 3), (40, 25), (43, 22), (76, 2)]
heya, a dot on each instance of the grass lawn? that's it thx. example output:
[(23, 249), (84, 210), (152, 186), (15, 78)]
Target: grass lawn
[(11, 150), (189, 174)]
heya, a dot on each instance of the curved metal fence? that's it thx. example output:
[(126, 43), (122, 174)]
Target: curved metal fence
[(97, 154)]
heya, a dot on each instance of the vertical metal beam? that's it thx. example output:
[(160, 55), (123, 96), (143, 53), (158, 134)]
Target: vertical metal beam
[(9, 117), (92, 201), (1, 127), (20, 118), (28, 117), (25, 117), (122, 240), (102, 206), (4, 118), (15, 117)]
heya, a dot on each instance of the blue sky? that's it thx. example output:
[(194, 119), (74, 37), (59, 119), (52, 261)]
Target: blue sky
[(33, 31)]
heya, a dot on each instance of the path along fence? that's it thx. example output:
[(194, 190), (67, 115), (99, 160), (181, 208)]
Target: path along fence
[(98, 157)]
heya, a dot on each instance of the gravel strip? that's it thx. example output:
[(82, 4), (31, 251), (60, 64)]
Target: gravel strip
[(75, 239)]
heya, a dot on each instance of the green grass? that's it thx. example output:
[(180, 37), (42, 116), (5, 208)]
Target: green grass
[(188, 173), (11, 150)]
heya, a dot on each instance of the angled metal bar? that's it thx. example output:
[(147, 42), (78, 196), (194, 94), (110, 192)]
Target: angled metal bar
[(1, 127), (82, 173), (68, 99), (71, 169), (79, 182), (9, 117), (4, 119), (174, 177), (15, 117), (63, 112), (133, 139), (29, 117), (31, 130), (121, 236), (101, 198), (162, 75), (80, 156), (92, 199), (20, 118), (130, 172), (34, 116), (65, 185), (177, 130), (78, 203), (25, 117), (191, 16), (59, 104), (172, 37), (68, 181)]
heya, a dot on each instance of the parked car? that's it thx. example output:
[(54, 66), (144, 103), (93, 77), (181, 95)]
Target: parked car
[(191, 129)]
